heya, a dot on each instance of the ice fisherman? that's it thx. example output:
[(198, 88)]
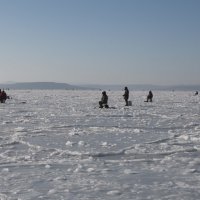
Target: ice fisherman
[(104, 100), (150, 96), (126, 95), (3, 96)]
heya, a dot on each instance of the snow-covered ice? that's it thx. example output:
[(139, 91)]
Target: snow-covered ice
[(57, 144)]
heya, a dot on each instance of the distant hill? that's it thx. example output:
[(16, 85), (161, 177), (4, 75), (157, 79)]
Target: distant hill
[(65, 86), (144, 87), (41, 86)]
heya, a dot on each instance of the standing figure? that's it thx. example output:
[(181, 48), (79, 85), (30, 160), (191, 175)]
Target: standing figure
[(150, 96), (126, 95), (104, 100)]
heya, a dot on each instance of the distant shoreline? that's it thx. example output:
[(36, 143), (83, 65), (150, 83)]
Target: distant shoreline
[(65, 86)]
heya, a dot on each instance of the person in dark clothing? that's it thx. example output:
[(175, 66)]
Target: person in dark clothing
[(126, 95), (104, 100), (196, 93), (150, 96), (1, 99), (3, 96)]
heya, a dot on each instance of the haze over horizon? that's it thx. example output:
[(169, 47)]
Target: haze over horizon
[(100, 42)]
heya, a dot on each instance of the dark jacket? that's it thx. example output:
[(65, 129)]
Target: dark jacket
[(126, 94), (104, 98)]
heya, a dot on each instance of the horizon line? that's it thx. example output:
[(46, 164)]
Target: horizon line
[(103, 84)]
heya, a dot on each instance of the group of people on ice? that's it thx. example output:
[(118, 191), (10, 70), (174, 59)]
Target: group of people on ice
[(3, 96), (104, 98)]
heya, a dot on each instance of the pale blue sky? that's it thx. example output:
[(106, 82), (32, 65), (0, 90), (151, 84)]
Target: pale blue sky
[(100, 41)]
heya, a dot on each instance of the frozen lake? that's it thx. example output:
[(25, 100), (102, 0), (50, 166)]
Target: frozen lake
[(59, 145)]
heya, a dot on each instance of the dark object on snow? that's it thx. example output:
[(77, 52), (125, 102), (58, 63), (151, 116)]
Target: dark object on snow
[(126, 95), (104, 100), (150, 96), (3, 96)]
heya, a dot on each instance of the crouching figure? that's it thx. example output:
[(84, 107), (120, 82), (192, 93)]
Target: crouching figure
[(3, 96), (150, 96), (104, 100)]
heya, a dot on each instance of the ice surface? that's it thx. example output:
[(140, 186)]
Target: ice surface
[(60, 145)]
